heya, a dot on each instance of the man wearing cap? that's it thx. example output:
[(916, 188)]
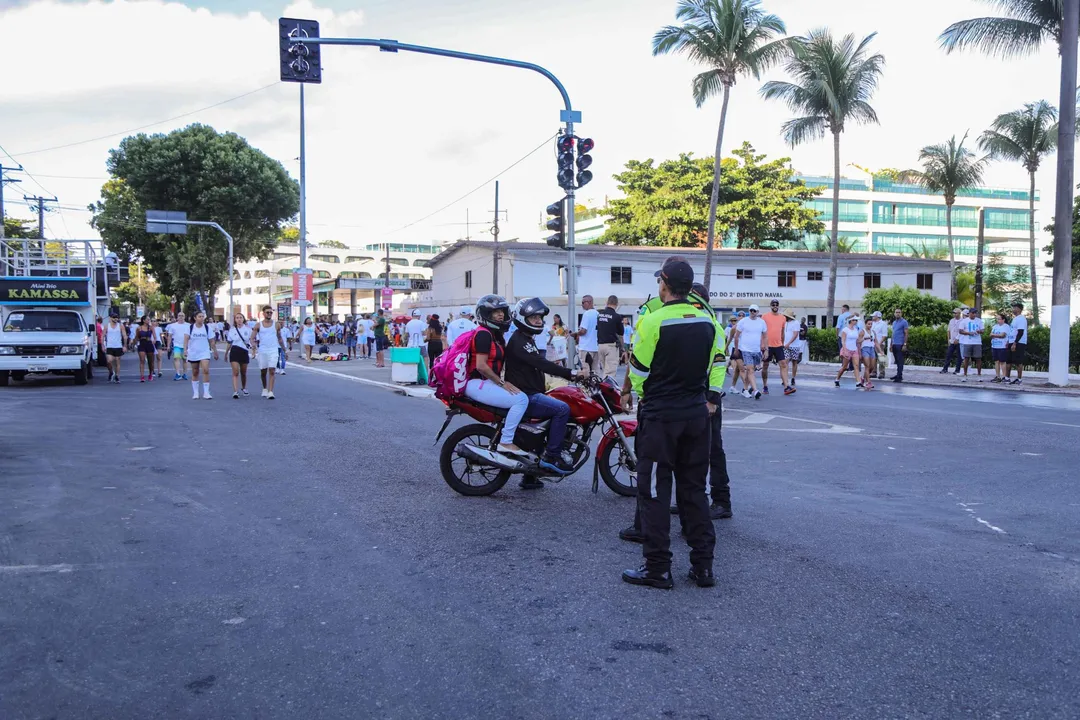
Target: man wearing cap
[(958, 319), (458, 327), (670, 368), (880, 328), (750, 337)]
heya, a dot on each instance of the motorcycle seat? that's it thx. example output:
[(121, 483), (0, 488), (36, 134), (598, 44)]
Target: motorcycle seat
[(496, 411)]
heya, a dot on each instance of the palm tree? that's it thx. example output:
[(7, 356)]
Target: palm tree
[(1025, 136), (843, 245), (731, 38), (935, 252), (832, 83), (1027, 25), (947, 168)]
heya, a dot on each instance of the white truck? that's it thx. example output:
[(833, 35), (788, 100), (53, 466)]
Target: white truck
[(48, 303)]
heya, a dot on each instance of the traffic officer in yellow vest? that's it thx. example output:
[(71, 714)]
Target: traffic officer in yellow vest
[(670, 370)]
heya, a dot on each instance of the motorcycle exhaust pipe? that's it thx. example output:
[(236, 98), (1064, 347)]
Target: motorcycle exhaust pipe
[(483, 456)]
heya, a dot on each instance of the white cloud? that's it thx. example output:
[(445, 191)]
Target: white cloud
[(391, 137)]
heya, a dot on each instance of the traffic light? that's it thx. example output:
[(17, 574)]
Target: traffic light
[(564, 146), (584, 160), (300, 62), (557, 223)]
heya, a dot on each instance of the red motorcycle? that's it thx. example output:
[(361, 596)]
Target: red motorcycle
[(471, 464)]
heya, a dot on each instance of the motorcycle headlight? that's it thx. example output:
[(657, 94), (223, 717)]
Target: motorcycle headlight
[(7, 350), (71, 350)]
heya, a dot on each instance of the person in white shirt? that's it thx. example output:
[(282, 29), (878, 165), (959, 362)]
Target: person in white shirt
[(366, 336), (199, 345), (159, 346), (267, 344), (239, 354), (116, 339), (881, 332), (177, 333), (1017, 344), (460, 326), (307, 338), (869, 349), (971, 329), (850, 340), (792, 345), (999, 341), (588, 345), (414, 331), (750, 339)]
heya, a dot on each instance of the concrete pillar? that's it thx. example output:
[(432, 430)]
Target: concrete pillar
[(352, 302)]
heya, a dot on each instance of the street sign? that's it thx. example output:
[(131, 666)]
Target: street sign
[(166, 222), (420, 284), (284, 311), (302, 287), (140, 311), (387, 298)]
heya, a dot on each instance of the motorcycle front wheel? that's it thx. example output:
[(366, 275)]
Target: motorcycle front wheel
[(463, 475), (615, 471)]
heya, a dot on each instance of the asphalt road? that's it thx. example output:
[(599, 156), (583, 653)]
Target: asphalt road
[(911, 552)]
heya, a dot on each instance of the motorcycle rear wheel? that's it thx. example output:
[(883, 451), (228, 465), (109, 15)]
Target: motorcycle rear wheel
[(459, 480)]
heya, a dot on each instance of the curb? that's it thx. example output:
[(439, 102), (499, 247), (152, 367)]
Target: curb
[(1041, 388), (406, 390)]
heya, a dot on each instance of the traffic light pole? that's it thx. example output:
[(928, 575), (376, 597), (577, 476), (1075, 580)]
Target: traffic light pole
[(303, 196), (568, 116)]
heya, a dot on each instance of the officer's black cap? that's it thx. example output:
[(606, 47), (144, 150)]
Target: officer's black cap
[(677, 275)]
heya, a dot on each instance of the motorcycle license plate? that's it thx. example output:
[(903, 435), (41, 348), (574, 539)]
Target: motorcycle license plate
[(37, 368)]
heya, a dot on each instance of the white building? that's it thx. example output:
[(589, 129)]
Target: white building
[(346, 280), (462, 273)]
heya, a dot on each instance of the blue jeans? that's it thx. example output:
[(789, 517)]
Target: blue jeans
[(546, 407), (281, 358)]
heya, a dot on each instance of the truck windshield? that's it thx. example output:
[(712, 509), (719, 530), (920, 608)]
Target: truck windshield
[(42, 321)]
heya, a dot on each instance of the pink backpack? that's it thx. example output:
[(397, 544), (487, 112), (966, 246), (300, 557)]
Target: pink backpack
[(451, 369)]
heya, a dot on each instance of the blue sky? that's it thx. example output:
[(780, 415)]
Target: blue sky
[(394, 137)]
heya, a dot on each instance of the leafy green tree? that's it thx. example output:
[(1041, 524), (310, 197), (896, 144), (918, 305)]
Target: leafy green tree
[(19, 228), (949, 167), (919, 308), (928, 252), (964, 286), (289, 235), (1026, 26), (1049, 249), (1025, 136), (760, 207), (761, 202), (1003, 284), (210, 175), (335, 244), (832, 84), (663, 204), (731, 38)]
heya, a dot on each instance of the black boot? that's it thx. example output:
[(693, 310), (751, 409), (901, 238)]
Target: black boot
[(702, 576), (720, 511), (643, 576), (631, 534)]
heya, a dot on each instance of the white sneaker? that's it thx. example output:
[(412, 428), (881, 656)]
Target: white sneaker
[(245, 392), (208, 396), (264, 392), (746, 394), (195, 396), (269, 396), (280, 372)]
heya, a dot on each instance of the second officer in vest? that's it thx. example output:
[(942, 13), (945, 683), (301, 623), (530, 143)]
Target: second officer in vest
[(670, 369)]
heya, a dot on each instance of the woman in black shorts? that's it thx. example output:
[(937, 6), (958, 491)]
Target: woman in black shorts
[(144, 343), (239, 339), (434, 336)]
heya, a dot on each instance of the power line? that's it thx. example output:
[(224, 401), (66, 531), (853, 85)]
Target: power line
[(478, 187), (141, 127)]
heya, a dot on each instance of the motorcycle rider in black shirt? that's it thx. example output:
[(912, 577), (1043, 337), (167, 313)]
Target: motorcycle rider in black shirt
[(525, 369)]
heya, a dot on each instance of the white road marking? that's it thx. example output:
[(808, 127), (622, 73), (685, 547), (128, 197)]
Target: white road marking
[(418, 391), (754, 419), (145, 447), (1061, 424), (233, 621), (1032, 454), (992, 527), (62, 568)]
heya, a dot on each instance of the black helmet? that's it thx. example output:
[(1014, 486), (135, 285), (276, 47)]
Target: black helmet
[(526, 308), (488, 304)]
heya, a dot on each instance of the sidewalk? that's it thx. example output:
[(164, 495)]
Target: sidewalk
[(921, 375), (359, 370)]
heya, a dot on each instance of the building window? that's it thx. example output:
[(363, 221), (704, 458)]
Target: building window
[(871, 280), (924, 281), (815, 275), (621, 275), (262, 273), (468, 278), (326, 258), (741, 274), (358, 258), (785, 278)]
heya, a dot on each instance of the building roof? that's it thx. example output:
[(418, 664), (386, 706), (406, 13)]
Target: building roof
[(660, 253)]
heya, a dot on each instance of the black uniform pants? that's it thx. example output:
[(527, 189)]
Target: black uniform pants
[(674, 453), (719, 483)]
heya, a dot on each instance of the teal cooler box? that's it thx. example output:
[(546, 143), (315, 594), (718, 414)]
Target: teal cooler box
[(407, 365)]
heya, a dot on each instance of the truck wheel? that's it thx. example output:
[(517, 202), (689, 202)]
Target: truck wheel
[(18, 375), (82, 374), (3, 378)]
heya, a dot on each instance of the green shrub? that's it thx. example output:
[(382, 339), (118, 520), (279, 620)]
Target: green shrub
[(919, 308), (823, 345)]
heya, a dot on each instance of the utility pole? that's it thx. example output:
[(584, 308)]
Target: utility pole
[(4, 181), (40, 211), (495, 250), (1066, 155), (303, 198)]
